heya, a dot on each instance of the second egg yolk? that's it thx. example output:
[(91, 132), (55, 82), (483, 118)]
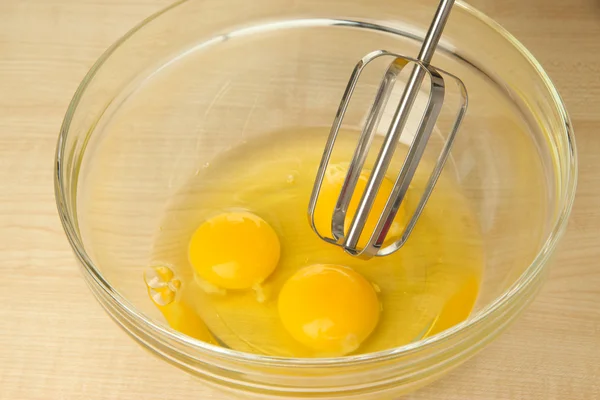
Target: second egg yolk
[(330, 191), (329, 308), (234, 250)]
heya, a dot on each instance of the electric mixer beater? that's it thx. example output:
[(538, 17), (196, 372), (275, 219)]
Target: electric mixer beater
[(348, 236)]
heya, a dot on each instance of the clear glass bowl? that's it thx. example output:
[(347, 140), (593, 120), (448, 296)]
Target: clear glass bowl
[(201, 76)]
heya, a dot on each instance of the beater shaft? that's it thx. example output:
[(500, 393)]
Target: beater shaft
[(421, 68)]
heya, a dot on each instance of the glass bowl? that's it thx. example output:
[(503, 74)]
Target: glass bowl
[(202, 76)]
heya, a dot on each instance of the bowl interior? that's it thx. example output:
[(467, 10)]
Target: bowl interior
[(175, 95)]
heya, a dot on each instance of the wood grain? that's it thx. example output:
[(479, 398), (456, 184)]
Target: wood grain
[(56, 342)]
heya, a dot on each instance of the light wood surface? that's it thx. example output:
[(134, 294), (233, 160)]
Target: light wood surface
[(56, 342)]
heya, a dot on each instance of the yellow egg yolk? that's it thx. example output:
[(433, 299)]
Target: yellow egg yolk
[(458, 307), (183, 318), (234, 250), (330, 191), (180, 315), (329, 308)]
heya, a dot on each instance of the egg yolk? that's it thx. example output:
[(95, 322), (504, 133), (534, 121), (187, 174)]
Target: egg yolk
[(183, 318), (458, 307), (330, 191), (234, 250), (329, 308), (180, 315)]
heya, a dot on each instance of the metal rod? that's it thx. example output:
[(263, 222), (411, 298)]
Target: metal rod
[(434, 33), (401, 115)]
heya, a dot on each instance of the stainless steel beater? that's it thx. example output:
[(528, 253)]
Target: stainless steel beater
[(348, 237)]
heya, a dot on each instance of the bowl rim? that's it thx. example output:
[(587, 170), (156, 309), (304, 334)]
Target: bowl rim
[(525, 279)]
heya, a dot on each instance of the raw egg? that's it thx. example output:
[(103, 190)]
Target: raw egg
[(330, 191), (162, 288), (329, 308), (234, 250)]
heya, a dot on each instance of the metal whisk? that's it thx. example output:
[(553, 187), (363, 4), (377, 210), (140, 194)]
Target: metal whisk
[(348, 237)]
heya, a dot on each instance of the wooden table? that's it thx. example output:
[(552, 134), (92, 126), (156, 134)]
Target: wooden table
[(56, 342)]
